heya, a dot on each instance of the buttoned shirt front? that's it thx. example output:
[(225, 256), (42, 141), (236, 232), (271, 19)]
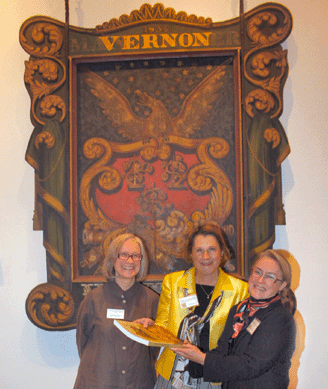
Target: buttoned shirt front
[(109, 359)]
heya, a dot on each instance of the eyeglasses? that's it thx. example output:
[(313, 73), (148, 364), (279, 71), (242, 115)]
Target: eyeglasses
[(269, 277), (134, 256)]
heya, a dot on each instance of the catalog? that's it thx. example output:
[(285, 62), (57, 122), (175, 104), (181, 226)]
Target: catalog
[(154, 335)]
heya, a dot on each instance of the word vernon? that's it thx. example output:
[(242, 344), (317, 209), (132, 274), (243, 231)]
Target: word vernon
[(155, 41)]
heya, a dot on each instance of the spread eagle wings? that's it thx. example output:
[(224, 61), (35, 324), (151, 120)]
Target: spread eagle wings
[(195, 110)]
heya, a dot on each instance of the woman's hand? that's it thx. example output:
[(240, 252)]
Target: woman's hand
[(145, 321), (191, 352)]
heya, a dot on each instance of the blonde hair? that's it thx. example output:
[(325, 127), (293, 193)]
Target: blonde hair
[(112, 255), (284, 266)]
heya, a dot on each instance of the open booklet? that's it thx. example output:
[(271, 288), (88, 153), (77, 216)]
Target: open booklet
[(151, 336)]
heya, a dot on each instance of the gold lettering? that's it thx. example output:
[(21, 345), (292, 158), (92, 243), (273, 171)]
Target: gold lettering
[(201, 40), (131, 42), (186, 40), (108, 44), (150, 40), (170, 40)]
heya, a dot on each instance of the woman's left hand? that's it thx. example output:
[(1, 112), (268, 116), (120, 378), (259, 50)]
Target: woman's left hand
[(191, 352)]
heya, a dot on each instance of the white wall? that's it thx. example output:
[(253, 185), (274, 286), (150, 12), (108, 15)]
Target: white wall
[(32, 358)]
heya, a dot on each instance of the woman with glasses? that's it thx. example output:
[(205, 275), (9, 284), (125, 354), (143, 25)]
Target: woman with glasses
[(196, 302), (109, 359), (258, 340)]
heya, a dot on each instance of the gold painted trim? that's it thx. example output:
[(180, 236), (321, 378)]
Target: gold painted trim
[(156, 13), (56, 256), (54, 203), (264, 246), (265, 196)]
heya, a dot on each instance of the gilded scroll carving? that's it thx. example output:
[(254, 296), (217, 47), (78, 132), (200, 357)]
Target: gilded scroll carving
[(44, 42), (50, 306), (46, 138), (154, 140), (267, 69)]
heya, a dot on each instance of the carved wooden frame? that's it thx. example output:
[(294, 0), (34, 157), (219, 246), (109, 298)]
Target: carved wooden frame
[(252, 42)]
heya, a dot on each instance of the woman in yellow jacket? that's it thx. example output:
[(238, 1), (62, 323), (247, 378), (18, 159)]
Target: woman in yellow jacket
[(197, 301)]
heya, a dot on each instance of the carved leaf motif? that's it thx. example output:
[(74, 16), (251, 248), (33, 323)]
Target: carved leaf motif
[(46, 138), (259, 99), (156, 12), (264, 29), (39, 33), (50, 306), (272, 135), (50, 104)]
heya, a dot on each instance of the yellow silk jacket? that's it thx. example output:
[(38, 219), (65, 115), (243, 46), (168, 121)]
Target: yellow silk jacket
[(170, 314)]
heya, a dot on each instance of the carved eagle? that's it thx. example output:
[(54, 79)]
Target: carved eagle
[(193, 114)]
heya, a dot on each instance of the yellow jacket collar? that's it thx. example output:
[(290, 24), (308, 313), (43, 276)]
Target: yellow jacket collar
[(188, 283)]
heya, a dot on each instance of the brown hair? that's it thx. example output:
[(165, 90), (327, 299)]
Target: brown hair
[(112, 254), (215, 230)]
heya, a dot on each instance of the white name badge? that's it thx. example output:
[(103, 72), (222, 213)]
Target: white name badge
[(115, 313), (254, 324), (189, 301)]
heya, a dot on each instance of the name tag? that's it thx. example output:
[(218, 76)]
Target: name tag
[(254, 324), (189, 301), (115, 313)]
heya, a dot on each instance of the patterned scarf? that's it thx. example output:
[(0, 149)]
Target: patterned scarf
[(190, 328), (246, 309)]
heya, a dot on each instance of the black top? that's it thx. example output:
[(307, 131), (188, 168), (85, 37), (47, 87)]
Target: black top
[(204, 294), (258, 359)]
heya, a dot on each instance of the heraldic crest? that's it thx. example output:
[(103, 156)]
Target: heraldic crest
[(153, 123)]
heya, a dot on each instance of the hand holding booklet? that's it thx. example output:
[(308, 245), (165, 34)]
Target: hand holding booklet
[(154, 335)]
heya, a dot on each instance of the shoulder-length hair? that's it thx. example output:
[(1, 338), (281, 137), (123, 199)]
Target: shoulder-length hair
[(215, 230), (284, 266), (112, 255)]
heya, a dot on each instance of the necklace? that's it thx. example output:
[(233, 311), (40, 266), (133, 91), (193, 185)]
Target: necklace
[(208, 295)]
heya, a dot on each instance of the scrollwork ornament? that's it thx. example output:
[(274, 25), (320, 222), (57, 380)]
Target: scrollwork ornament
[(50, 307), (199, 178), (49, 72), (44, 41), (46, 138), (219, 148), (260, 100), (267, 67), (261, 62), (260, 66), (98, 148), (172, 231), (265, 29), (271, 135), (110, 179), (50, 104), (43, 47), (207, 176)]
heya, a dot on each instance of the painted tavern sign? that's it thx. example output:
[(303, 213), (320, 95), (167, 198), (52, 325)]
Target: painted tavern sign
[(153, 123)]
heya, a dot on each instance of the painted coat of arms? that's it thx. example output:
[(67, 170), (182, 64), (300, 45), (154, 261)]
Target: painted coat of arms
[(153, 123)]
